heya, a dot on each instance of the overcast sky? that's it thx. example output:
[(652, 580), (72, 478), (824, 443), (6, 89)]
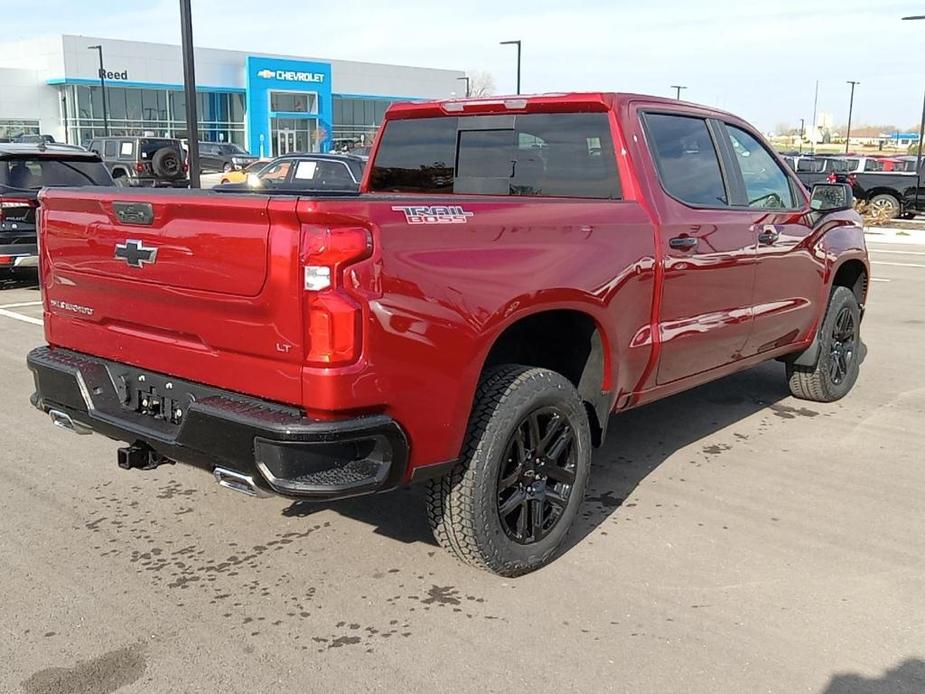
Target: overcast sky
[(757, 58)]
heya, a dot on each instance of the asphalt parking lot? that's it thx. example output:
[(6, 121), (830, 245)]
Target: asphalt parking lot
[(733, 540)]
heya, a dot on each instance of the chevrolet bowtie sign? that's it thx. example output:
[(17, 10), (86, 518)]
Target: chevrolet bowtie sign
[(291, 75)]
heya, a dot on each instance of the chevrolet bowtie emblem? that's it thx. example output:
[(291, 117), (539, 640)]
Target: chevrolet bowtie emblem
[(135, 253)]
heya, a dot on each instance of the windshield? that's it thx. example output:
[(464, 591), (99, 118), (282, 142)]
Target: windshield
[(34, 173)]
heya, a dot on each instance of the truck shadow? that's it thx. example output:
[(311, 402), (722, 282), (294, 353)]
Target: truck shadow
[(907, 678), (638, 442)]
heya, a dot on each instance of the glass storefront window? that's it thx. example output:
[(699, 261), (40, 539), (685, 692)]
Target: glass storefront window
[(293, 102), (161, 112), (10, 129)]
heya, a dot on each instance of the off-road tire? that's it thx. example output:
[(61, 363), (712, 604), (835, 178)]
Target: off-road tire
[(816, 382), (166, 163), (462, 506)]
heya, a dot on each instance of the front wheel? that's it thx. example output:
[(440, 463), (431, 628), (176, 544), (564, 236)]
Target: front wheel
[(509, 503), (838, 364)]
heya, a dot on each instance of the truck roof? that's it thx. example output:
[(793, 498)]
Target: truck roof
[(527, 103)]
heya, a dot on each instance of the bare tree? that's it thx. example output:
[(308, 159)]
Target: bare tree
[(481, 83)]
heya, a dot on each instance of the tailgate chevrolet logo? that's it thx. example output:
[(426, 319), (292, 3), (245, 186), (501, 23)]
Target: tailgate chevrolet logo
[(135, 253)]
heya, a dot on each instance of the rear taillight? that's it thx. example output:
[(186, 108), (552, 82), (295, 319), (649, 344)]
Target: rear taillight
[(7, 204), (139, 167), (831, 178), (333, 317)]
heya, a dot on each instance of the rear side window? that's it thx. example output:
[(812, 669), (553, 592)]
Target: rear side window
[(538, 154), (111, 148), (686, 158)]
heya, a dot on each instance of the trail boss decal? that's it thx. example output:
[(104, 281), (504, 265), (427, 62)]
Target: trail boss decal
[(434, 214)]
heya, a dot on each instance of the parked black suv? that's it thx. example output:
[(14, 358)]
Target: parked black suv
[(143, 161), (24, 169), (223, 157)]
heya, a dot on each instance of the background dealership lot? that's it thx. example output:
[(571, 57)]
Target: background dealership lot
[(733, 540)]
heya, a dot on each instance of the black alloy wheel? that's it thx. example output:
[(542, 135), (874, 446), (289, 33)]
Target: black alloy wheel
[(536, 476), (844, 345)]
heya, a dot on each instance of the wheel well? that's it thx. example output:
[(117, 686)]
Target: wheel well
[(567, 342), (853, 275), (119, 172)]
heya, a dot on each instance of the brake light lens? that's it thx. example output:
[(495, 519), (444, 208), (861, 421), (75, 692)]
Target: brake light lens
[(139, 167), (333, 316), (7, 203)]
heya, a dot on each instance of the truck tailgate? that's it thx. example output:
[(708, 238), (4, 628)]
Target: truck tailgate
[(186, 283)]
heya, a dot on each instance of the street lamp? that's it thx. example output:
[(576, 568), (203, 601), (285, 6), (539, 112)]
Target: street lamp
[(513, 43), (802, 130), (850, 109), (467, 84), (677, 90), (102, 73), (918, 157)]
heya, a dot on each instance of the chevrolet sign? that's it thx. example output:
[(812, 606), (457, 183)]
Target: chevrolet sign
[(291, 75)]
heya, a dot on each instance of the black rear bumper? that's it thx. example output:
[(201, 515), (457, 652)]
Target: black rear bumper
[(280, 449)]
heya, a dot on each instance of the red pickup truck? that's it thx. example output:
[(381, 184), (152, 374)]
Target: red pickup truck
[(511, 272)]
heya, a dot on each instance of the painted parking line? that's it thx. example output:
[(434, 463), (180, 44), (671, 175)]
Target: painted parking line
[(884, 250), (22, 304), (879, 279), (19, 316), (883, 262)]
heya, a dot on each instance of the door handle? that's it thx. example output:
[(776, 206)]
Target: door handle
[(769, 235), (683, 243)]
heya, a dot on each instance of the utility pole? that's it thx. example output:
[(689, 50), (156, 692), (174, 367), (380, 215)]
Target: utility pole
[(812, 126), (467, 84), (850, 109), (99, 49), (802, 130), (918, 156), (189, 88), (517, 43), (677, 90)]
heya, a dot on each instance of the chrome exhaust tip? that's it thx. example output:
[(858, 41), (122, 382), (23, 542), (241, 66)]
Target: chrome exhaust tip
[(229, 479), (63, 420)]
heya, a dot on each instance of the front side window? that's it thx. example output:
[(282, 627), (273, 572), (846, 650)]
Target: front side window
[(687, 163), (766, 183), (538, 154), (276, 173)]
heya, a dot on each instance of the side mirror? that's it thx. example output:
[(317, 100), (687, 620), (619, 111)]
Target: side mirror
[(253, 181), (831, 197)]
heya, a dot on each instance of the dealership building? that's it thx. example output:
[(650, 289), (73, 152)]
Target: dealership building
[(269, 104)]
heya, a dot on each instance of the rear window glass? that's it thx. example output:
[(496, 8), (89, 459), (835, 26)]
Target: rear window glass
[(32, 174), (542, 155)]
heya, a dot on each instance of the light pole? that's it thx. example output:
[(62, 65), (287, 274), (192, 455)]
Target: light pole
[(513, 43), (189, 87), (802, 130), (918, 157), (850, 109), (467, 84), (677, 90), (99, 49)]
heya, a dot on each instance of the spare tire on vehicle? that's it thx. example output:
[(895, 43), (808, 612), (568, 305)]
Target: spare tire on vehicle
[(166, 163)]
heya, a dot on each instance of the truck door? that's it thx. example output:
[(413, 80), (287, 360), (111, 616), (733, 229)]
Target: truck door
[(708, 249), (788, 275)]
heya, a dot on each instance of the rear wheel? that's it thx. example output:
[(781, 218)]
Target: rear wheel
[(886, 204), (512, 499), (837, 366)]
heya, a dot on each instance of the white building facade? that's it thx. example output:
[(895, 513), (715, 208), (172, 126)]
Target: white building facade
[(269, 104)]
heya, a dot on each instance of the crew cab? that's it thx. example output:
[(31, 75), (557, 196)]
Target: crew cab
[(512, 271)]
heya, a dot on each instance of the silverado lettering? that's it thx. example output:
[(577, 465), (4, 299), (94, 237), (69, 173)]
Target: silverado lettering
[(321, 346)]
